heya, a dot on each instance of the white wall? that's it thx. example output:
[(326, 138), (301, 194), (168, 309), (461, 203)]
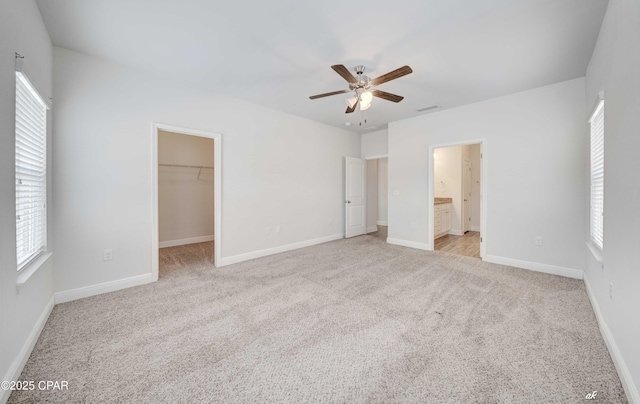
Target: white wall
[(22, 31), (535, 170), (614, 69), (372, 195), (383, 191), (374, 144), (277, 169), (185, 194)]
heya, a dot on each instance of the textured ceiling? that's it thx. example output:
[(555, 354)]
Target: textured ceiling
[(277, 53)]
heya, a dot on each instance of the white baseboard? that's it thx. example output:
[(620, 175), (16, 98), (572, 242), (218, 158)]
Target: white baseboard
[(474, 228), (455, 232), (406, 243), (372, 229), (18, 364), (623, 371), (536, 266), (276, 250), (111, 286), (185, 241), (381, 223)]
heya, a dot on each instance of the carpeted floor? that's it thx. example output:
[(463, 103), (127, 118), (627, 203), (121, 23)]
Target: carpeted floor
[(354, 320)]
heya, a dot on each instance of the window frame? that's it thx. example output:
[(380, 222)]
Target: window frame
[(596, 178), (26, 264)]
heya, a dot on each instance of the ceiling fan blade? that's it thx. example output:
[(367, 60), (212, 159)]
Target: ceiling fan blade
[(313, 97), (387, 96), (345, 73), (351, 109), (403, 71)]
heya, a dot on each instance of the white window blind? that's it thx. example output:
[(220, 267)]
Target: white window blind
[(597, 175), (31, 172)]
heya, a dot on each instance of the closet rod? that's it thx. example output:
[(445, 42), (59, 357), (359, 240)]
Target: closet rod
[(182, 165)]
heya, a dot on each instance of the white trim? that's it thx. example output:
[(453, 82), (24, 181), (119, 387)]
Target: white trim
[(596, 252), (382, 156), (455, 232), (26, 75), (474, 228), (372, 229), (217, 192), (382, 223), (407, 243), (21, 359), (106, 287), (31, 268), (599, 106), (185, 241), (483, 192), (234, 259), (536, 266), (618, 360)]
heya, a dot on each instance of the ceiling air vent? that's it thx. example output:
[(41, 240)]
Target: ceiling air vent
[(430, 107)]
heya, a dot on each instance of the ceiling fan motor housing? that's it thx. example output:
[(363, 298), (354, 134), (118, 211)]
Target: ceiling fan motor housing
[(364, 82)]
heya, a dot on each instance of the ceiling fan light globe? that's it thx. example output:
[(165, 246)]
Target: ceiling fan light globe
[(351, 101), (364, 107), (366, 97)]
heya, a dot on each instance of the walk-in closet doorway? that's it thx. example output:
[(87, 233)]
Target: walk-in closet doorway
[(187, 199)]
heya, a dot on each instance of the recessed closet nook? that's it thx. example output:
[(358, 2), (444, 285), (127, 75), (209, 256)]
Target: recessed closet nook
[(185, 197)]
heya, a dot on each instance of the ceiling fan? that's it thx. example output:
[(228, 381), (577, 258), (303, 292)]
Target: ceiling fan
[(363, 87)]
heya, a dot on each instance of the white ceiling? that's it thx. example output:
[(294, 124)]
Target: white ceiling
[(278, 52)]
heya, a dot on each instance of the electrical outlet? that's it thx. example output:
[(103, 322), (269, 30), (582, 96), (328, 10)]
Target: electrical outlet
[(107, 255), (539, 241), (277, 229), (413, 226), (610, 291)]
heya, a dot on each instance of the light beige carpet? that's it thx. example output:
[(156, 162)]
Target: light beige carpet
[(350, 321)]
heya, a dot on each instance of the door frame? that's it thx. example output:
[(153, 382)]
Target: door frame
[(346, 192), (466, 211), (217, 189), (483, 191), (378, 157)]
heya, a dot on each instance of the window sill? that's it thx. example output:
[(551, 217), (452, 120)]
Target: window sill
[(32, 268), (596, 252)]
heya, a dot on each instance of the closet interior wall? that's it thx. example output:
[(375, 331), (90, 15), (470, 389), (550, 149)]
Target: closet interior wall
[(185, 189)]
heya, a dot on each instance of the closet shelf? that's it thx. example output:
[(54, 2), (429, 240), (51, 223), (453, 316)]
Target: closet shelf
[(184, 166)]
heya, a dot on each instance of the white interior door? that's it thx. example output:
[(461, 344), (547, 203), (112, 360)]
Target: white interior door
[(355, 197), (466, 193)]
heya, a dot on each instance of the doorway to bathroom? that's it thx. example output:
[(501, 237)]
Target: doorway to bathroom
[(456, 199)]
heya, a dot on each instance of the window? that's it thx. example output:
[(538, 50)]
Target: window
[(31, 172), (597, 175)]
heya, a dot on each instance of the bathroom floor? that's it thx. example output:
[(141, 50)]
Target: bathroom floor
[(467, 245)]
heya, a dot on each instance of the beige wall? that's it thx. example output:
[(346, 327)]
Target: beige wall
[(185, 195)]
